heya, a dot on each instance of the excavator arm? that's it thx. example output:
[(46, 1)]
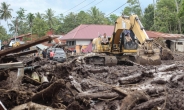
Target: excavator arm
[(146, 53)]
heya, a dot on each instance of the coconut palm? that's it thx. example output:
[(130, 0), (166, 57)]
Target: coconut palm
[(5, 12), (49, 16), (96, 15), (38, 15), (30, 18), (21, 13)]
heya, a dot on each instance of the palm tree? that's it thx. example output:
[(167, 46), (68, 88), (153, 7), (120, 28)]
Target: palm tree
[(49, 17), (5, 12), (96, 15), (38, 15), (21, 13), (30, 18)]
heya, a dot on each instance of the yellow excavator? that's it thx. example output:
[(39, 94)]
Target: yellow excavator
[(123, 48)]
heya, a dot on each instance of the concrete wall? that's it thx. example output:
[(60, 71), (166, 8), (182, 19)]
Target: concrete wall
[(83, 42), (177, 45), (180, 46)]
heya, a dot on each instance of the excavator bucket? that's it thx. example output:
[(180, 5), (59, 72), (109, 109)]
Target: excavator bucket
[(148, 58)]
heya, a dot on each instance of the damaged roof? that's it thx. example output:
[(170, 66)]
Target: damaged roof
[(153, 34)]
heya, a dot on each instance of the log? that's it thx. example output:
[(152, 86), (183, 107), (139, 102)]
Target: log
[(157, 90), (150, 104), (102, 95), (117, 89), (130, 79), (131, 99), (47, 94), (21, 53), (24, 46), (32, 105), (162, 69), (159, 81), (11, 65)]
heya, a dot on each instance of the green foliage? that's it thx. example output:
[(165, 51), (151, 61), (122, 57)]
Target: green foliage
[(5, 11), (40, 27), (148, 19), (133, 8), (181, 11), (30, 18), (166, 19), (96, 16), (3, 34), (21, 14), (49, 16)]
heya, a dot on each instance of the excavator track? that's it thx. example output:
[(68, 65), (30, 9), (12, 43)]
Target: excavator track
[(102, 60), (109, 60)]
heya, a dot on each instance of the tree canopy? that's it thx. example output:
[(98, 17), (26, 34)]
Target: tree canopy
[(165, 16)]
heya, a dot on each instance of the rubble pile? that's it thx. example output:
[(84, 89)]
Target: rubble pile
[(72, 85)]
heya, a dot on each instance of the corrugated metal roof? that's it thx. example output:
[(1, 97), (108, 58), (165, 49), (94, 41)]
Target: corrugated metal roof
[(153, 34), (41, 46), (88, 32), (92, 31)]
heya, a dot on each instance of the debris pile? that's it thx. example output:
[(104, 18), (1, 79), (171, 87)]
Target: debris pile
[(76, 86)]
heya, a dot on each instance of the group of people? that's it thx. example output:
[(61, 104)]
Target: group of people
[(46, 54), (105, 41)]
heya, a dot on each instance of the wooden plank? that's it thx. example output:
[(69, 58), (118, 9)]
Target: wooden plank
[(11, 65), (24, 46)]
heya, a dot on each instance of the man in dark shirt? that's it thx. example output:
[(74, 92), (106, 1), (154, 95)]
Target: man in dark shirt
[(44, 53)]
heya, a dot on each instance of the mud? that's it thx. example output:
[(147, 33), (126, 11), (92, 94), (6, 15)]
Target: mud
[(76, 86)]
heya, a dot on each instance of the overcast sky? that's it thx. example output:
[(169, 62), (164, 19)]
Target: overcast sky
[(64, 6)]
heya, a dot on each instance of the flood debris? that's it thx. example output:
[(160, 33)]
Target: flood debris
[(36, 83)]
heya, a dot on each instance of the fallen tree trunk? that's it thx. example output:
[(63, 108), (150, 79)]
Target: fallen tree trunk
[(131, 99), (21, 53), (24, 46), (46, 95), (161, 69), (12, 65), (150, 104), (131, 79), (31, 105), (102, 95)]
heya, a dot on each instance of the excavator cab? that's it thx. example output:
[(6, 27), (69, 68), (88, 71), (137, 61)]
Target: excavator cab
[(127, 40)]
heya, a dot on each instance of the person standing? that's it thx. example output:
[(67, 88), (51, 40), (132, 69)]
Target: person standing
[(51, 55), (44, 53)]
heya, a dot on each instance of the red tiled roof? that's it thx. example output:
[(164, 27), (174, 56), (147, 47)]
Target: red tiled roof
[(92, 31), (23, 35), (89, 31)]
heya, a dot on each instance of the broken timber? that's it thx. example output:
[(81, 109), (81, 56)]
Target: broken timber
[(24, 46), (22, 53), (12, 65)]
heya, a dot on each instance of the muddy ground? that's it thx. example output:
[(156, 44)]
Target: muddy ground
[(75, 86)]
